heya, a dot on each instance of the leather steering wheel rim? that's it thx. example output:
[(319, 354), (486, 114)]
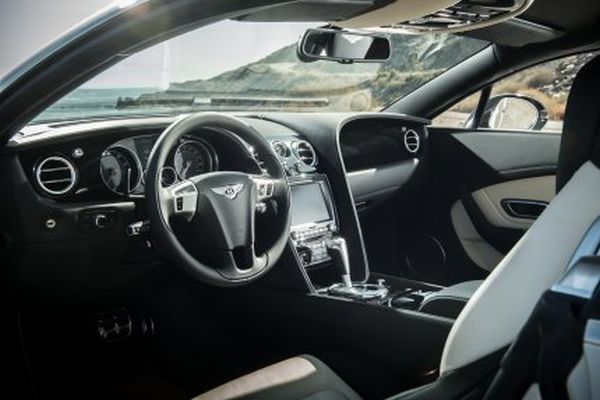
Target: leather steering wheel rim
[(225, 275)]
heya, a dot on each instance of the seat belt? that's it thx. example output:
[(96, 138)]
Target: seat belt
[(552, 341)]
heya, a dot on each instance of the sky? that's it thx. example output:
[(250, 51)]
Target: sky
[(200, 54), (28, 25)]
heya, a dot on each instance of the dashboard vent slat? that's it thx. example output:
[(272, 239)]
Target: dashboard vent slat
[(412, 141), (305, 153), (55, 175)]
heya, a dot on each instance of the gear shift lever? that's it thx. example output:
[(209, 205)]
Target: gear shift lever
[(338, 251)]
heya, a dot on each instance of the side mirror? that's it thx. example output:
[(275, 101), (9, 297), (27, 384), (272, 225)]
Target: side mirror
[(343, 46), (512, 112)]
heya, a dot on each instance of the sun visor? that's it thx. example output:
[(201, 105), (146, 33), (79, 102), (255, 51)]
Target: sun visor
[(439, 16), (398, 11)]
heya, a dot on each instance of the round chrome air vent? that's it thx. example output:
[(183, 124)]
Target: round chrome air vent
[(412, 141), (280, 148), (55, 175), (305, 153)]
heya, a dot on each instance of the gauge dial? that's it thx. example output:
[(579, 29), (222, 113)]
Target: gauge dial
[(120, 170), (168, 176), (192, 158)]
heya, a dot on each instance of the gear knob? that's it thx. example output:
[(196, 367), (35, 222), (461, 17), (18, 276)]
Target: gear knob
[(338, 251)]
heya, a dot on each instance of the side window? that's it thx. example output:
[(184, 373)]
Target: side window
[(532, 100), (457, 116)]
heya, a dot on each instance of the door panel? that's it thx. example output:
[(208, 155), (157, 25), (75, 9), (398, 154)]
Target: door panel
[(477, 248), (506, 204), (475, 177), (513, 154)]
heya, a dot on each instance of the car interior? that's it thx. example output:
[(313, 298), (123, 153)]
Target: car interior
[(400, 202)]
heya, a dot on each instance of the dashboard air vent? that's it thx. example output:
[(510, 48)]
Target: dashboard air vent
[(412, 141), (280, 148), (305, 153), (55, 175)]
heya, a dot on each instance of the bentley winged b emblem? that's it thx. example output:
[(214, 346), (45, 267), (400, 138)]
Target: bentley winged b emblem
[(228, 191)]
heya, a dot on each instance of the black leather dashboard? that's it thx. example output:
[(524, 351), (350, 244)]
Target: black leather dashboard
[(336, 139)]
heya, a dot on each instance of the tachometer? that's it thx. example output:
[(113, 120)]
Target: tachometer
[(120, 170), (192, 157)]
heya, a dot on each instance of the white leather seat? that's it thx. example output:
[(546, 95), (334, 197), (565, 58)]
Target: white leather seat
[(499, 308)]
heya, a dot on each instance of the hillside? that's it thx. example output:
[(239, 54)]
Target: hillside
[(280, 80)]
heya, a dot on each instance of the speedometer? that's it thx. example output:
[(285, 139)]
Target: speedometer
[(192, 158), (120, 170)]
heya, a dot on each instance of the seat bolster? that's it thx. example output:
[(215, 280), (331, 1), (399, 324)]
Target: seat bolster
[(500, 307), (298, 378)]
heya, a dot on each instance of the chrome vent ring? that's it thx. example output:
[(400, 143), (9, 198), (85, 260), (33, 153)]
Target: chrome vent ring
[(55, 175), (305, 153), (412, 141), (280, 148)]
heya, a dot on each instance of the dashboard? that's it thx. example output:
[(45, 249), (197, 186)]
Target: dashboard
[(85, 181), (109, 163)]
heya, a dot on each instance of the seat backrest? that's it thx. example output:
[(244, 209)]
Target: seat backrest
[(500, 307)]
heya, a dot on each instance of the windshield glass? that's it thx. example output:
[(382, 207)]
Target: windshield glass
[(242, 66)]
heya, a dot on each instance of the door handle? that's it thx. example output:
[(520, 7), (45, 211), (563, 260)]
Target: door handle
[(526, 209)]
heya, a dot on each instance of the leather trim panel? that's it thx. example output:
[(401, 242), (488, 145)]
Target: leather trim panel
[(477, 248), (284, 372), (489, 199)]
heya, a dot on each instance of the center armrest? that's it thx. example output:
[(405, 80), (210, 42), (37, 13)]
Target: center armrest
[(449, 301)]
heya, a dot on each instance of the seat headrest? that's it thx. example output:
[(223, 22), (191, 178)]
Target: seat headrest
[(581, 132)]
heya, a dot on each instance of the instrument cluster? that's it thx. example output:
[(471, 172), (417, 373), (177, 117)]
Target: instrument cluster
[(123, 164)]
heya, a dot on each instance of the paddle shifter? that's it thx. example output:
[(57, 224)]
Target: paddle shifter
[(338, 251)]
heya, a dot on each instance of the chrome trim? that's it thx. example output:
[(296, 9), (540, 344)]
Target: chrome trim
[(69, 166), (369, 171), (510, 203), (137, 161), (230, 192), (288, 151), (295, 149), (210, 151), (361, 291), (416, 145)]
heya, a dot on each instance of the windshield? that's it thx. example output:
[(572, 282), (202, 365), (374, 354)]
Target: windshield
[(242, 66)]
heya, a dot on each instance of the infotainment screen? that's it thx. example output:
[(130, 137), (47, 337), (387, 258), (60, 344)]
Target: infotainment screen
[(308, 204)]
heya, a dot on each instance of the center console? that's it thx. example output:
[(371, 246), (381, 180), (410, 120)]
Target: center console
[(316, 237), (327, 249), (314, 219)]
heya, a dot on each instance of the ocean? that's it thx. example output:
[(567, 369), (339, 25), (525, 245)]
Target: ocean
[(90, 103)]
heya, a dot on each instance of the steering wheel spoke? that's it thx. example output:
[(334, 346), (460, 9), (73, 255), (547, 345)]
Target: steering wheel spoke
[(184, 200), (265, 187), (179, 200)]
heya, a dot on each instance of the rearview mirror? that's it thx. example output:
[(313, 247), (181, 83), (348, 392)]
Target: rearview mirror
[(343, 46)]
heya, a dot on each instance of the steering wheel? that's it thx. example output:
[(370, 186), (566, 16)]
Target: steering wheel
[(217, 210)]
